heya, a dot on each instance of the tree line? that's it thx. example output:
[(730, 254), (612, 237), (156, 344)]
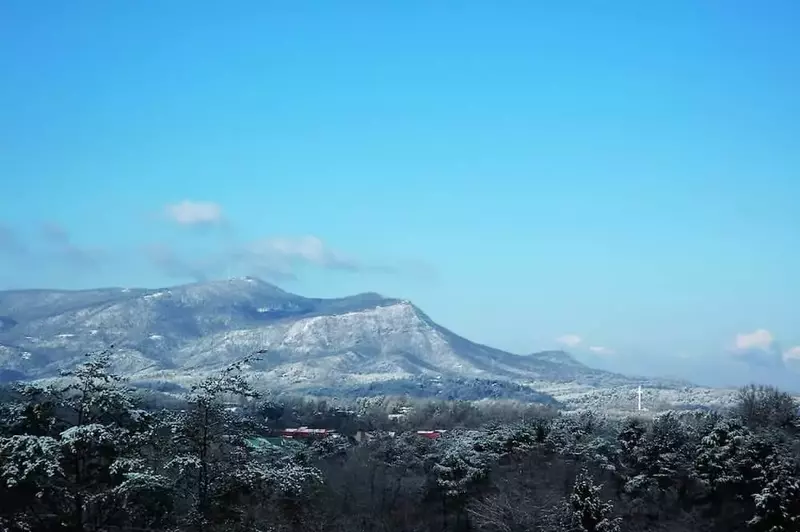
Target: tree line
[(88, 454)]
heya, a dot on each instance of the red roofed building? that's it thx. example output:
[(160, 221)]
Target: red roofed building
[(430, 434)]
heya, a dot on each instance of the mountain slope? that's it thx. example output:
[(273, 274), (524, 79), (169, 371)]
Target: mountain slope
[(186, 331)]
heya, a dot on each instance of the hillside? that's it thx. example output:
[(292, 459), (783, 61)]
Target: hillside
[(183, 332)]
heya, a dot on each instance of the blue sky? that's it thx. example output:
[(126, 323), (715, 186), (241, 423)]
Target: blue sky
[(624, 172)]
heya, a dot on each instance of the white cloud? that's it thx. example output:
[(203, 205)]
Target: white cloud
[(758, 349), (277, 258), (792, 354), (760, 339), (600, 350), (308, 248), (570, 340), (283, 254), (188, 212)]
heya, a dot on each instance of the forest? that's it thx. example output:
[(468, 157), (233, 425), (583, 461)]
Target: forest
[(91, 453)]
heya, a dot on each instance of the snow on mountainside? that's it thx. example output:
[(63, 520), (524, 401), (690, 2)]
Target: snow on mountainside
[(183, 332)]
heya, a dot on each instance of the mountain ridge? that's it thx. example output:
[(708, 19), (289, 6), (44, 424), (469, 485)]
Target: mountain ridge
[(182, 332)]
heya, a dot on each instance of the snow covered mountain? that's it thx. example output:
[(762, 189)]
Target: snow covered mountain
[(182, 332)]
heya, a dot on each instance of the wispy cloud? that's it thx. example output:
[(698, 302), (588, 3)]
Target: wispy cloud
[(570, 340), (55, 233), (10, 242), (757, 348), (194, 213), (278, 258), (171, 264), (792, 355), (60, 242), (306, 249), (573, 341), (49, 248), (286, 255), (275, 257), (759, 339)]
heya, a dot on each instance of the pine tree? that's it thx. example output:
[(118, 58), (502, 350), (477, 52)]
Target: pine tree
[(75, 449), (213, 462), (777, 503), (589, 512)]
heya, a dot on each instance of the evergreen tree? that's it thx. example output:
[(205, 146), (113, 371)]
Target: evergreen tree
[(85, 443), (590, 513), (214, 462)]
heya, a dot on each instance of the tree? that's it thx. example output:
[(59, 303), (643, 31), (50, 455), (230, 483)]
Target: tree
[(31, 477), (31, 411), (719, 456), (84, 442), (777, 504), (461, 462), (214, 463), (208, 444), (768, 407), (589, 512)]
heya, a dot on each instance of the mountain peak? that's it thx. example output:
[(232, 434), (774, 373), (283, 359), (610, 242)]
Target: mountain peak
[(230, 288)]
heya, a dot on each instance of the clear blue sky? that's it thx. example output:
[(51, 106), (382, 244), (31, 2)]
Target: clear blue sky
[(627, 172)]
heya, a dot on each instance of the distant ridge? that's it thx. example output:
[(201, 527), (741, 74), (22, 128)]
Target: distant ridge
[(179, 333)]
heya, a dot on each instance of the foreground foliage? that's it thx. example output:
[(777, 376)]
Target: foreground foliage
[(91, 456)]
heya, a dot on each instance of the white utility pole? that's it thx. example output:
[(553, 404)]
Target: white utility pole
[(640, 398)]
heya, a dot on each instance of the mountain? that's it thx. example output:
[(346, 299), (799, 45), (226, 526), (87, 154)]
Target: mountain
[(183, 332)]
